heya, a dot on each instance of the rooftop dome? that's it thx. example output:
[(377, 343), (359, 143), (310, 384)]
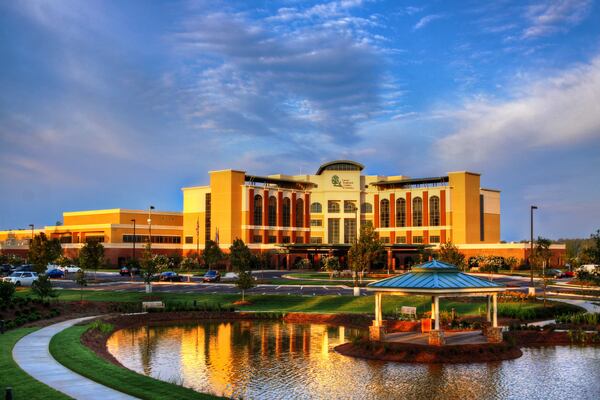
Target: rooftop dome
[(340, 165)]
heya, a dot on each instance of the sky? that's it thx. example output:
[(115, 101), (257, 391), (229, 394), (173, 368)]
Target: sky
[(119, 104)]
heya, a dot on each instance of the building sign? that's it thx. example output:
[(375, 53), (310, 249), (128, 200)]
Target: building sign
[(341, 183)]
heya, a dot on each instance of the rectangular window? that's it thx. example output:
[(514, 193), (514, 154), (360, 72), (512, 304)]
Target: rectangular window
[(333, 206), (155, 239), (256, 239), (207, 207), (189, 239), (349, 230), (434, 239), (400, 239), (316, 240), (66, 239), (349, 206), (272, 239), (333, 231), (417, 239), (385, 239), (99, 239), (286, 239), (316, 222), (481, 219), (300, 239)]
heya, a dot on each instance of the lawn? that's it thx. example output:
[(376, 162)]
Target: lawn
[(66, 348), (23, 385)]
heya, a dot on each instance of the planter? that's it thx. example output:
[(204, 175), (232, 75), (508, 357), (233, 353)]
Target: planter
[(356, 291), (148, 288)]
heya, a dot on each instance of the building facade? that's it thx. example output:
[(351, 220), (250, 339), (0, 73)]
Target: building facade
[(305, 215)]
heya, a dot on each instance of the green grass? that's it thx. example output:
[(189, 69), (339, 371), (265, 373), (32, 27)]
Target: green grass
[(66, 348), (24, 386)]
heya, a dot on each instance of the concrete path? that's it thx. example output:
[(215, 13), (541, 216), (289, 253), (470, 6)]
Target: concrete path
[(32, 354)]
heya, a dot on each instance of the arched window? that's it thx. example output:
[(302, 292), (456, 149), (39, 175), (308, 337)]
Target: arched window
[(385, 213), (272, 216), (434, 211), (286, 209), (417, 211), (400, 212), (366, 208), (258, 210), (299, 213), (333, 206), (316, 208)]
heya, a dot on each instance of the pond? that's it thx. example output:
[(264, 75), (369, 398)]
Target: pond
[(275, 360)]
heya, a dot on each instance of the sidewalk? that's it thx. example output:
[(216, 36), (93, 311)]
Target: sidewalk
[(32, 354)]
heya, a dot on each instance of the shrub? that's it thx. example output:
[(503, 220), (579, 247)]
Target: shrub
[(103, 327), (7, 291)]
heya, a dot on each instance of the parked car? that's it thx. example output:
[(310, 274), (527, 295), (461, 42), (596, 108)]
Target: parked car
[(6, 269), (55, 274), (231, 276), (170, 276), (211, 276), (71, 269), (24, 268), (21, 278), (568, 274), (553, 273), (129, 271)]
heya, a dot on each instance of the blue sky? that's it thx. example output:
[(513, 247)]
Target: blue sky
[(121, 103)]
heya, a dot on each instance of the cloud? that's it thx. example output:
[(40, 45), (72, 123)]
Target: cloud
[(426, 20), (555, 16), (548, 113)]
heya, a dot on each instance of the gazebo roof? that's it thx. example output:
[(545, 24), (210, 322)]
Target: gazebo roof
[(434, 277)]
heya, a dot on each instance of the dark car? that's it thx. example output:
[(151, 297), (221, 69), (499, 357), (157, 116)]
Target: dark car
[(129, 271), (553, 273), (211, 276), (55, 274), (6, 268), (24, 268), (170, 276)]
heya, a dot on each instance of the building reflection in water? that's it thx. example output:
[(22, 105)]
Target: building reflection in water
[(265, 359)]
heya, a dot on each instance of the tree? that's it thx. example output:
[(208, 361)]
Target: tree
[(43, 251), (511, 262), (541, 256), (593, 251), (148, 266), (175, 260), (364, 251), (162, 262), (245, 282), (82, 282), (91, 256), (7, 291), (42, 287), (240, 256), (449, 253), (332, 265), (189, 264), (212, 253)]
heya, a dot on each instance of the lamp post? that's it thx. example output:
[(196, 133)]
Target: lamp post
[(134, 239), (31, 226), (150, 227), (531, 246)]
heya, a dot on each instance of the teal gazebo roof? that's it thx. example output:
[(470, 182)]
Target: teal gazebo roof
[(436, 277)]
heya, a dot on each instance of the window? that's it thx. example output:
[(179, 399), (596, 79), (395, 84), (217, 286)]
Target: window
[(66, 239), (258, 210), (400, 212), (207, 207), (401, 239), (349, 206), (333, 206), (384, 217), (256, 239), (316, 208), (286, 239), (434, 211), (434, 239), (299, 213), (316, 222), (155, 239), (349, 230), (272, 239), (286, 210), (300, 239), (385, 239), (417, 212), (333, 230), (99, 239), (366, 208), (189, 239), (316, 240), (417, 239), (272, 215)]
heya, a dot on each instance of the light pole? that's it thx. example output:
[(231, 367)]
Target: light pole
[(150, 228), (531, 246), (134, 239), (31, 226)]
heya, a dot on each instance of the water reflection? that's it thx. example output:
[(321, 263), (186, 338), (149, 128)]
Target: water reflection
[(257, 360)]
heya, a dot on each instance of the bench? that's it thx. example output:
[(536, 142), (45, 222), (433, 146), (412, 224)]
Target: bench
[(410, 312), (152, 304)]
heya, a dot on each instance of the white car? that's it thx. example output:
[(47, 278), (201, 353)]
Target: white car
[(230, 276), (71, 269), (22, 278)]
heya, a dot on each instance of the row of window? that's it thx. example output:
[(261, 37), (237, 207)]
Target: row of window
[(272, 211), (417, 212), (273, 239), (155, 239)]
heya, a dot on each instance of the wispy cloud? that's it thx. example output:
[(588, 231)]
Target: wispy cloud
[(555, 16), (426, 20)]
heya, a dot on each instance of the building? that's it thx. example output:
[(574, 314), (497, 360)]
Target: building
[(307, 216)]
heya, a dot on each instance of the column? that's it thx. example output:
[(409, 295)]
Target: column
[(443, 216), (432, 307), (489, 308), (389, 259), (249, 231), (495, 301), (376, 211), (293, 218), (279, 216), (425, 216), (392, 217), (437, 313), (307, 217), (265, 218), (378, 311)]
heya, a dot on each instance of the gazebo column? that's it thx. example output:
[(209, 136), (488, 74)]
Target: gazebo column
[(437, 313), (494, 333), (377, 330), (495, 321), (432, 307), (436, 336), (489, 308)]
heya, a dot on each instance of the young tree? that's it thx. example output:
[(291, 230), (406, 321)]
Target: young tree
[(175, 260), (212, 253), (511, 262), (364, 251), (42, 287), (148, 267), (162, 262), (240, 256), (245, 282), (43, 251), (91, 256), (82, 282), (189, 264), (593, 251), (449, 253), (332, 265), (542, 254)]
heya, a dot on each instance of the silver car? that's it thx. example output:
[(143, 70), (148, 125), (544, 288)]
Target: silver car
[(22, 278)]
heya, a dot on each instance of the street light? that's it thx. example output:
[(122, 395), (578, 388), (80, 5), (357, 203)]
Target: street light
[(150, 227), (134, 239), (531, 246)]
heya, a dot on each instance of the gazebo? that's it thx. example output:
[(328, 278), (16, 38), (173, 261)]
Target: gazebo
[(437, 279)]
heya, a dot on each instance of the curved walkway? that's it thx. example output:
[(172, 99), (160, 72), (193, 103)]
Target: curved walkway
[(32, 354)]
